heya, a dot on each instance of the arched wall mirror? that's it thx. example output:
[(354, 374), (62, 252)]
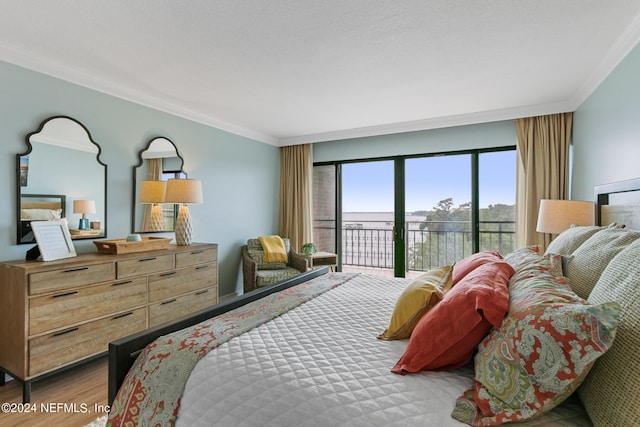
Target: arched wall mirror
[(61, 176), (157, 162)]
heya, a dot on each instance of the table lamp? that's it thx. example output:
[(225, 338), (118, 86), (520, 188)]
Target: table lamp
[(84, 207), (183, 191), (152, 192), (555, 216)]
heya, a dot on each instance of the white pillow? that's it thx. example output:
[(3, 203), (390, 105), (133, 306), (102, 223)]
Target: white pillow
[(40, 214)]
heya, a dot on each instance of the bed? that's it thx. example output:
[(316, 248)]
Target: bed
[(305, 352)]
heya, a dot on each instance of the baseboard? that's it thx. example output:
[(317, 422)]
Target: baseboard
[(227, 296)]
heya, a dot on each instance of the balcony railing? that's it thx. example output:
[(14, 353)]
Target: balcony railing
[(436, 244)]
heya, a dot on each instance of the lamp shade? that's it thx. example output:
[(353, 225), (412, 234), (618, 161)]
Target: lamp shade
[(152, 191), (84, 206), (183, 191), (555, 216)]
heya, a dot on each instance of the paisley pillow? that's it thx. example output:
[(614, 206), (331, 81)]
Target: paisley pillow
[(541, 353), (529, 257)]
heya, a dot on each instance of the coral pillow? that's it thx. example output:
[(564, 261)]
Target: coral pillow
[(414, 302), (540, 354), (447, 336), (470, 263)]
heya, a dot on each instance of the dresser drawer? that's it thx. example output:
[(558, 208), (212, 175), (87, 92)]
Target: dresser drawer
[(57, 280), (55, 350), (145, 265), (176, 282), (81, 304), (183, 305), (195, 257)]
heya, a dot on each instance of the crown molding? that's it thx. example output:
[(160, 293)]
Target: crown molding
[(620, 49), (427, 124), (13, 55)]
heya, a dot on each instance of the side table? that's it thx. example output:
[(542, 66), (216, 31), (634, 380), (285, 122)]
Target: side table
[(321, 259)]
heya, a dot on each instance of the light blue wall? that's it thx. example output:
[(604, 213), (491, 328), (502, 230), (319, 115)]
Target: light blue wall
[(240, 176), (606, 131), (494, 134)]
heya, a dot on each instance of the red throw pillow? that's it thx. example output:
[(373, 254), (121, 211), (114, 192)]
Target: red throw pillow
[(447, 336), (470, 263)]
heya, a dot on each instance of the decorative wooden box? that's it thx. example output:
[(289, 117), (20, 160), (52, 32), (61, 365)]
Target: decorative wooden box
[(121, 246)]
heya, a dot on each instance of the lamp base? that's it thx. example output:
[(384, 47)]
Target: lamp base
[(157, 221), (184, 233), (84, 224)]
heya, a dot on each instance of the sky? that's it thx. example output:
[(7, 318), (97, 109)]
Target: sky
[(368, 186)]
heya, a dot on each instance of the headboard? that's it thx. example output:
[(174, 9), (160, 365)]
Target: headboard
[(619, 202), (42, 201), (38, 207)]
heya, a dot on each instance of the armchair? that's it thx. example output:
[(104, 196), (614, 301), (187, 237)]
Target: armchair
[(257, 273)]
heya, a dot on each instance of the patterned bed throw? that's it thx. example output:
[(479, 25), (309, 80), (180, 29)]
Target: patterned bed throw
[(153, 387)]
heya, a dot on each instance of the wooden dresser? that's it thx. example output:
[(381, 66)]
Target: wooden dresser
[(58, 313)]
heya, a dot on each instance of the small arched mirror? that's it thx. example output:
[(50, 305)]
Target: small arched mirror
[(157, 162), (61, 176)]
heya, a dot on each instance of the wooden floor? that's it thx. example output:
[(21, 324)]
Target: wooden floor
[(82, 389)]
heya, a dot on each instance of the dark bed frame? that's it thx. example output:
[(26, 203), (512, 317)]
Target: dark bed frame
[(123, 352), (621, 199)]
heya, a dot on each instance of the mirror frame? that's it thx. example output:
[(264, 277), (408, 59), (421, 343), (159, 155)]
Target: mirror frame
[(135, 203), (30, 148)]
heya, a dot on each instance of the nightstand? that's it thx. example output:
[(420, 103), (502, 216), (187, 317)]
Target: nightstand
[(91, 233), (321, 259)]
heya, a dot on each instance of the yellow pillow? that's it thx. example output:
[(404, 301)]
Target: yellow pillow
[(414, 302)]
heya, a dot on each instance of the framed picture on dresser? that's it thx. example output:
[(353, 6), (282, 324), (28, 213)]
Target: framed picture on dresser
[(54, 239)]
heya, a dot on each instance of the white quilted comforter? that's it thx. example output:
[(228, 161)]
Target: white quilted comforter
[(320, 364)]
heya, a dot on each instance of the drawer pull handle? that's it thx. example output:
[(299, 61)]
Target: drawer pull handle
[(122, 283), (204, 291), (202, 267), (120, 316), (147, 259), (68, 331), (65, 294), (73, 270), (168, 302), (196, 252), (170, 273)]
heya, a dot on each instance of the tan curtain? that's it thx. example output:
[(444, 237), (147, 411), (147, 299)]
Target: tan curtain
[(542, 170), (296, 180), (154, 173)]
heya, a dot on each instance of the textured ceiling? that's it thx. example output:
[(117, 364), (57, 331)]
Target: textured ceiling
[(294, 71)]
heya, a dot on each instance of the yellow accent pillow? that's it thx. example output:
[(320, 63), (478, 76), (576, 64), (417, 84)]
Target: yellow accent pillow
[(419, 297)]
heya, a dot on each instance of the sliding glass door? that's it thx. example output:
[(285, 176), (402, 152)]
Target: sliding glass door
[(368, 217), (496, 201), (405, 215), (437, 211)]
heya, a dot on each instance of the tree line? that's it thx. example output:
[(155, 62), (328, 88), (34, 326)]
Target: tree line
[(445, 234)]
